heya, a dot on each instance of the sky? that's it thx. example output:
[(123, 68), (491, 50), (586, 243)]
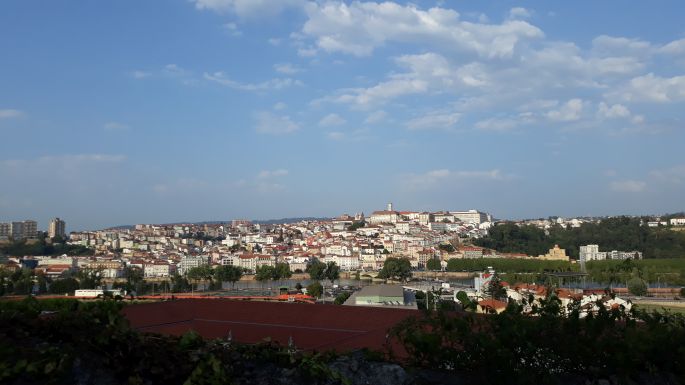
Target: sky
[(128, 111)]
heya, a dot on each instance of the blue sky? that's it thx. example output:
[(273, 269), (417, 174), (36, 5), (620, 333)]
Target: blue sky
[(126, 112)]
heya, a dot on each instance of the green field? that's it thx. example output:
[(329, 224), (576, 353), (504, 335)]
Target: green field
[(660, 308)]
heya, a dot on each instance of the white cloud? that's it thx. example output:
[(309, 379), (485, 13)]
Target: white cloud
[(248, 8), (651, 88), (137, 74), (630, 186), (612, 46), (613, 112), (376, 117), (233, 29), (62, 164), (115, 126), (280, 106), (570, 111), (497, 124), (273, 84), (336, 135), (676, 47), (287, 68), (675, 174), (434, 120), (436, 178), (264, 174), (425, 73), (361, 27), (10, 113), (331, 120), (268, 123), (519, 13)]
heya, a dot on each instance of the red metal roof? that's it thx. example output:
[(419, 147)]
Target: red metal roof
[(312, 327)]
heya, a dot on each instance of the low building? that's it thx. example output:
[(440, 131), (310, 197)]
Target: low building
[(555, 254), (382, 295)]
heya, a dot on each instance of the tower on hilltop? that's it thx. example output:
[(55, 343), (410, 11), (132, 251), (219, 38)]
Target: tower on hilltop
[(390, 206)]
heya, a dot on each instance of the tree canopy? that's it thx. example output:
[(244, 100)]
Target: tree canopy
[(396, 268), (620, 233), (316, 269)]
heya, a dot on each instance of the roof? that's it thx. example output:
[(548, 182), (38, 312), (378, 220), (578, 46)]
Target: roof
[(492, 303), (381, 291)]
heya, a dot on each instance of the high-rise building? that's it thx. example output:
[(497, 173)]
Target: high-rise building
[(30, 229), (57, 228), (5, 230)]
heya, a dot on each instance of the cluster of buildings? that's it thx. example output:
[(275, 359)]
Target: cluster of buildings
[(18, 230), (28, 229), (353, 242), (592, 253)]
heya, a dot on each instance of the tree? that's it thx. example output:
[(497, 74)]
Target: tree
[(134, 276), (228, 273), (446, 247), (281, 271), (316, 269), (356, 225), (179, 284), (396, 268), (637, 286), (466, 302), (342, 297), (90, 279), (315, 289), (264, 273), (433, 264), (332, 271), (63, 286), (495, 288), (201, 273)]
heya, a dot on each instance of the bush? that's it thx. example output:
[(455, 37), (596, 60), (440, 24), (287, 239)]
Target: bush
[(342, 297), (637, 287), (315, 289)]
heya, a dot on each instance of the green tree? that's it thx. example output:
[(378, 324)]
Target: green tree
[(495, 288), (356, 225), (342, 297), (433, 264), (179, 284), (89, 278), (466, 302), (264, 273), (332, 271), (637, 286), (281, 270), (316, 269), (228, 273), (396, 269), (134, 277), (63, 286), (201, 273), (315, 289)]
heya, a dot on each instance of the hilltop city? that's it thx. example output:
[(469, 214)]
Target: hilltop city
[(353, 242)]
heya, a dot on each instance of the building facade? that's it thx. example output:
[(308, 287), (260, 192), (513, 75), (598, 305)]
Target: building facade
[(57, 228)]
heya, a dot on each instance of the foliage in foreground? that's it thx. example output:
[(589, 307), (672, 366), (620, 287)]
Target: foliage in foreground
[(545, 347), (66, 341)]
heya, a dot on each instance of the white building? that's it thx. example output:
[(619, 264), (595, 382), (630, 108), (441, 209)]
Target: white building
[(471, 216), (188, 262), (57, 228), (677, 221), (158, 269)]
